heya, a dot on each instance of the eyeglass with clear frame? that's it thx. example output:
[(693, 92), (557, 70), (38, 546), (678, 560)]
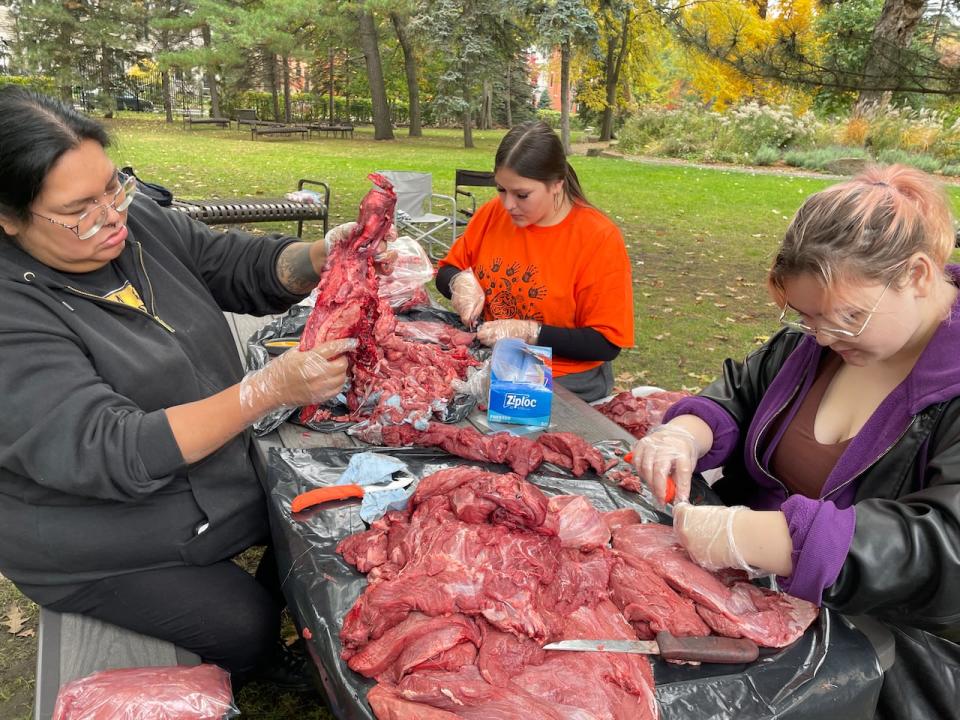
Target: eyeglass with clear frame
[(89, 222), (835, 333)]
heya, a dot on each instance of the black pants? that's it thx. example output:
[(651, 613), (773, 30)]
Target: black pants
[(220, 612)]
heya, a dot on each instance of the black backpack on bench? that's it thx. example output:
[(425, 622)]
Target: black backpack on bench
[(158, 193)]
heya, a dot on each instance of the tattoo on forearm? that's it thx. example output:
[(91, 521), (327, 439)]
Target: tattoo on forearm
[(294, 269)]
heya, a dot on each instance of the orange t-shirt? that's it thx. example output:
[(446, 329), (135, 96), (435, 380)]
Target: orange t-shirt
[(574, 274)]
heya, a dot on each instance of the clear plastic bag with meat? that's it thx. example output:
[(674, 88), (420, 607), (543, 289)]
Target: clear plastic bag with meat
[(153, 693), (404, 288)]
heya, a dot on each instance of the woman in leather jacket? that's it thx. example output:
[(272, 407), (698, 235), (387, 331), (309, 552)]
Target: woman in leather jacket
[(839, 438)]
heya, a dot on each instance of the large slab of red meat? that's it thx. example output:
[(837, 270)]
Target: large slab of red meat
[(466, 586), (638, 414)]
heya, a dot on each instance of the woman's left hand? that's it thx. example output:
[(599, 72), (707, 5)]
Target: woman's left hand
[(526, 330)]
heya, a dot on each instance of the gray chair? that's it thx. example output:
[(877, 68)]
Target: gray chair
[(74, 646), (418, 216)]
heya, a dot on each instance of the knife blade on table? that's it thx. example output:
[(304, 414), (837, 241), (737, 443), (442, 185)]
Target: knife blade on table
[(711, 648)]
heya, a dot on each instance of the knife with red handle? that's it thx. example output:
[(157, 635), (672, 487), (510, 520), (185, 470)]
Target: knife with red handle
[(671, 485), (712, 648)]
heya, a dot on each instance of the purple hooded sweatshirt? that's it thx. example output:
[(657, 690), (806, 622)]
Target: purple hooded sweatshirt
[(822, 529)]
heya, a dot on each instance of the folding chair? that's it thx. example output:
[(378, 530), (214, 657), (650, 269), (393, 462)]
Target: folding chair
[(415, 214), (469, 178)]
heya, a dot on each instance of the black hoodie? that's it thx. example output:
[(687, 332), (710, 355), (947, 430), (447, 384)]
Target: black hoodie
[(92, 482)]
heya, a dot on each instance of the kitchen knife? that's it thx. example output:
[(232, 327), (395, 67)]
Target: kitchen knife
[(711, 648)]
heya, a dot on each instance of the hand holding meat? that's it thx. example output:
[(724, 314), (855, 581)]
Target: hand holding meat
[(383, 260), (526, 330), (466, 296), (667, 450), (707, 533), (298, 377)]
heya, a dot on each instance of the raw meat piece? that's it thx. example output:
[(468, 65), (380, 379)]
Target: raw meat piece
[(737, 610), (387, 704), (618, 518), (434, 332), (638, 414), (503, 656), (414, 642), (578, 524), (571, 451)]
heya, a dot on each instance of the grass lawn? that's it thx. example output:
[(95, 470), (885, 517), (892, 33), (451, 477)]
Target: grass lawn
[(700, 241)]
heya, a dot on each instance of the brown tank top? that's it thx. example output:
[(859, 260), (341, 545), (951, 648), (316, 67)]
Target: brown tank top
[(799, 461)]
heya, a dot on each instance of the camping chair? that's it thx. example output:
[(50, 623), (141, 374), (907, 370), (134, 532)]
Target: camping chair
[(466, 209), (415, 214)]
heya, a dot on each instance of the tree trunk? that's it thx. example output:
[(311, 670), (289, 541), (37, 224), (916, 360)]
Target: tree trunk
[(382, 127), (167, 98), (274, 84), (892, 34), (286, 89), (565, 95), (467, 123), (410, 69), (509, 92), (330, 87), (486, 106), (211, 73), (613, 68), (106, 84)]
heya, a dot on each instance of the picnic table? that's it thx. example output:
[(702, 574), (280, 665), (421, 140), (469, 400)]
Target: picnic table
[(833, 666)]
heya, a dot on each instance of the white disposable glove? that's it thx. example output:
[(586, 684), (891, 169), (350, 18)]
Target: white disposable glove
[(466, 296), (667, 451), (297, 377), (707, 533), (384, 260), (493, 330)]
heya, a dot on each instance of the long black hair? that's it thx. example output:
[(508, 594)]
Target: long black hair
[(35, 131), (533, 150)]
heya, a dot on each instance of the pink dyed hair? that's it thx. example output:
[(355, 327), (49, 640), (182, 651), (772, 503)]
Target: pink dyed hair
[(863, 230)]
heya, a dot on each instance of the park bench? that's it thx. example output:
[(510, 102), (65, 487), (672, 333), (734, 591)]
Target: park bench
[(191, 120), (251, 210), (260, 129), (332, 128)]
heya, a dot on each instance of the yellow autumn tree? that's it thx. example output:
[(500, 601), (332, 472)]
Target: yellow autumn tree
[(744, 28)]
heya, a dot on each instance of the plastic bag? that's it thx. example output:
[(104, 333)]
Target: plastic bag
[(307, 197), (202, 692), (403, 288)]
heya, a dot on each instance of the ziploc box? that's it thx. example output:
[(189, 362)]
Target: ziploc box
[(521, 383)]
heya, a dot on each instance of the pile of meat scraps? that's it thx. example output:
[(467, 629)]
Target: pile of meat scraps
[(638, 414), (391, 377), (467, 585)]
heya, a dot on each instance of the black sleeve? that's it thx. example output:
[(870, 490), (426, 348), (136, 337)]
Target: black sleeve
[(444, 276), (577, 343)]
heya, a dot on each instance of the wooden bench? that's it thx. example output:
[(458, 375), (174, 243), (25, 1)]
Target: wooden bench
[(261, 129), (332, 128), (251, 210), (73, 646), (190, 121)]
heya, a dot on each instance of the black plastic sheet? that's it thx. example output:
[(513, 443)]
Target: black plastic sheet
[(291, 325), (830, 672)]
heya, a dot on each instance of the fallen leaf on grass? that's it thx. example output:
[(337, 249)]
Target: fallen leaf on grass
[(14, 620), (28, 633)]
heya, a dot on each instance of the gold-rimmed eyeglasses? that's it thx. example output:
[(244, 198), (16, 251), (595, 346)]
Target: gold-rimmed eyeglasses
[(90, 221), (835, 333)]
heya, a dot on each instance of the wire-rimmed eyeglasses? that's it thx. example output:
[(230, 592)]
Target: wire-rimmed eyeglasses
[(835, 333), (89, 222)]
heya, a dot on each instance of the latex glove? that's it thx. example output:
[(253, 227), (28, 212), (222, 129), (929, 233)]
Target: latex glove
[(707, 533), (297, 377), (667, 451), (493, 330), (466, 296), (384, 260)]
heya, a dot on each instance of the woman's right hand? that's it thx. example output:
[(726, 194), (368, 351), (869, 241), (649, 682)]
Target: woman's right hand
[(667, 451), (466, 296), (298, 377)]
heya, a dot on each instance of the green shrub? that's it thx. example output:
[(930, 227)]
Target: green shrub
[(921, 162), (39, 83), (550, 117), (753, 125), (766, 155), (952, 169), (822, 158)]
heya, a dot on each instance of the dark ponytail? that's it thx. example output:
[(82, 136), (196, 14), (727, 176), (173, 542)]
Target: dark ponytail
[(533, 150), (35, 130)]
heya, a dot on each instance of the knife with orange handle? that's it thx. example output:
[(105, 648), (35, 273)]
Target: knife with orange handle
[(329, 493), (671, 485)]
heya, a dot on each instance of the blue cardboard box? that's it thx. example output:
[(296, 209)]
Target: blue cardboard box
[(521, 383)]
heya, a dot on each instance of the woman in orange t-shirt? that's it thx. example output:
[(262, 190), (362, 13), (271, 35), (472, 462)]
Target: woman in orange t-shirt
[(541, 264)]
